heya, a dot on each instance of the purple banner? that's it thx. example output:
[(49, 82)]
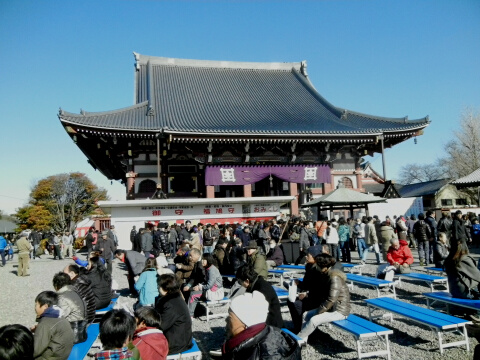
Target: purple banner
[(243, 175)]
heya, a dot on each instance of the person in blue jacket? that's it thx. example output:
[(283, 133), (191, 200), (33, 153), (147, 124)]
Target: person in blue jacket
[(3, 245), (146, 284)]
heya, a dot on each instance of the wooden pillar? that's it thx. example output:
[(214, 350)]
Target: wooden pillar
[(247, 190), (294, 203), (131, 185), (210, 192)]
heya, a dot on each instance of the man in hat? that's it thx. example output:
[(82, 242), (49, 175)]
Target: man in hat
[(248, 334), (106, 248), (257, 259)]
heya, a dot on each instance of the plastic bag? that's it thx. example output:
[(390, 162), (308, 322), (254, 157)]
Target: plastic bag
[(292, 291)]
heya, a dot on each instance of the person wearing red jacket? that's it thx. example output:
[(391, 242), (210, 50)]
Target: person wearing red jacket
[(148, 338), (400, 256)]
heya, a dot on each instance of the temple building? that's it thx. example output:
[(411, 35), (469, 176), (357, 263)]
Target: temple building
[(219, 129)]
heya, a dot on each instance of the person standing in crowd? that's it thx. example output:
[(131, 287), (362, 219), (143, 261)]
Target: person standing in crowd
[(386, 234), (147, 242), (441, 250), (248, 335), (24, 248), (57, 247), (208, 239), (35, 237), (275, 231), (331, 238), (221, 256), (246, 236), (432, 223), (112, 234), (422, 233), (274, 255), (321, 227), (236, 255), (410, 224), (303, 245), (334, 298), (359, 233), (67, 240), (176, 322), (3, 246), (133, 232), (186, 232), (106, 248), (459, 231), (445, 224), (215, 234), (137, 243), (344, 240), (160, 241), (172, 239), (372, 241), (475, 232), (135, 263), (90, 241)]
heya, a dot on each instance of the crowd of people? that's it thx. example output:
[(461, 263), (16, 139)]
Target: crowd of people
[(170, 269)]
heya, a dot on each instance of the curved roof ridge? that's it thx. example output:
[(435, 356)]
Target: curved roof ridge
[(84, 113), (220, 64), (402, 120)]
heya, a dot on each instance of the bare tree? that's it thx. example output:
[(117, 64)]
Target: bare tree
[(416, 173)]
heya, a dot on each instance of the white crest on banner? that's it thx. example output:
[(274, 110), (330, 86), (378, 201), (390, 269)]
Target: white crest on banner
[(310, 173), (228, 175)]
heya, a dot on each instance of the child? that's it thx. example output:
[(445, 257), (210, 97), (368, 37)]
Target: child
[(116, 332), (147, 284), (148, 337), (53, 338)]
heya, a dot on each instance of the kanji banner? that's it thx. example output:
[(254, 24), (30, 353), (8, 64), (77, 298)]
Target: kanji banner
[(243, 175)]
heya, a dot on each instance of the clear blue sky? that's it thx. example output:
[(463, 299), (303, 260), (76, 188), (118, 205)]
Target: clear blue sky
[(387, 58)]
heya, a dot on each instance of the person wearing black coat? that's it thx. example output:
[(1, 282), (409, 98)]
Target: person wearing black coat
[(236, 255), (422, 232), (83, 286), (253, 282), (176, 321), (89, 240), (137, 241), (160, 241), (107, 248), (100, 281)]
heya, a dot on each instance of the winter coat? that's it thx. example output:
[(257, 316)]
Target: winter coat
[(135, 262), (386, 234), (151, 343), (101, 284), (147, 288), (83, 287), (304, 242), (459, 231), (160, 242), (463, 276), (276, 254), (432, 223), (259, 263), (261, 342), (421, 231), (185, 235), (237, 259), (222, 259), (72, 305), (402, 255), (343, 233), (197, 276), (208, 238), (359, 230), (147, 241), (137, 243), (195, 242), (3, 243), (107, 248), (335, 296), (331, 235), (402, 229), (213, 279), (445, 225), (440, 253), (321, 226), (370, 234), (23, 246), (53, 337), (176, 322), (274, 317)]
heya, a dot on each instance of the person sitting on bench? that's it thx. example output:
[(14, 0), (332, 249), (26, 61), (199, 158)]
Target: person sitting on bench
[(399, 256), (334, 297)]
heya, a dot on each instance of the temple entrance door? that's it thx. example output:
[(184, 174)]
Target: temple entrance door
[(278, 188), (182, 185)]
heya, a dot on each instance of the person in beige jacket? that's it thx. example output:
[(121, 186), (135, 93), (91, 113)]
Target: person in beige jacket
[(24, 248)]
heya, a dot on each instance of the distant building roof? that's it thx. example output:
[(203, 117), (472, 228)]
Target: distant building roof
[(422, 189), (470, 180), (7, 226), (221, 97), (344, 196)]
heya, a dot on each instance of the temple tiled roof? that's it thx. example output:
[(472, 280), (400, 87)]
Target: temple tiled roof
[(217, 97), (422, 189), (343, 196), (470, 180)]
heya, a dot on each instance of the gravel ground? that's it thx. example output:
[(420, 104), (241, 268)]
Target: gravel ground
[(409, 340)]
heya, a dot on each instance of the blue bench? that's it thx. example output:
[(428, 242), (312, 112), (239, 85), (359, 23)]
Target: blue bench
[(108, 308), (209, 304), (281, 273), (435, 320), (353, 267), (300, 341), (80, 351), (375, 283), (364, 330), (431, 280), (281, 292), (448, 299), (194, 353), (291, 267), (434, 269)]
